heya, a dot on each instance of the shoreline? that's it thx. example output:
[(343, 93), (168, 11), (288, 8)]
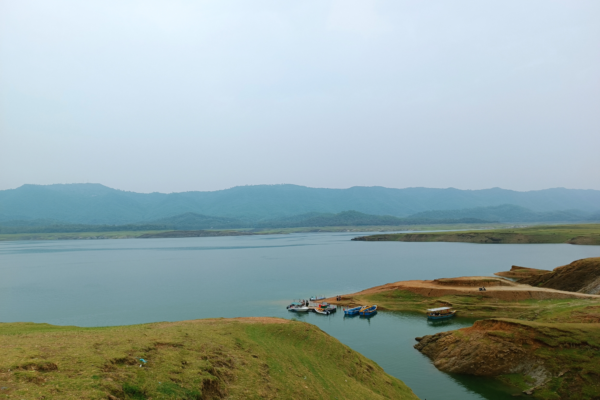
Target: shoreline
[(579, 234), (122, 234)]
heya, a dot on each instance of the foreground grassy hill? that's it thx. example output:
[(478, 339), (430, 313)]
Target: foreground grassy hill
[(572, 234), (245, 358)]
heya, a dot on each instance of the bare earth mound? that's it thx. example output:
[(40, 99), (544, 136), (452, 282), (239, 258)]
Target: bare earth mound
[(519, 273), (581, 276)]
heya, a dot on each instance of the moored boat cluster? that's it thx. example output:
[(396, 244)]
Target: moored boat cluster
[(324, 308), (312, 306)]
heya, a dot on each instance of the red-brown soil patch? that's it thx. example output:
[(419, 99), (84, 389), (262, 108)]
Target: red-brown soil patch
[(518, 273), (581, 276)]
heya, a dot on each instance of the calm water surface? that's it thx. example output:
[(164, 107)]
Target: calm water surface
[(118, 282)]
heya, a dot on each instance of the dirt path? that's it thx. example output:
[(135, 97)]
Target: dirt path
[(498, 288)]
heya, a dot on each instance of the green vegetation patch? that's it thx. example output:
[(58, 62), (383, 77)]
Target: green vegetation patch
[(476, 306), (588, 234)]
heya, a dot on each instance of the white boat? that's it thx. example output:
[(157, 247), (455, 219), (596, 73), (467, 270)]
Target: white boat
[(299, 309)]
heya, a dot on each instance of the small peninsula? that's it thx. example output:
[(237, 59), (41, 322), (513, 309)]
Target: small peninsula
[(584, 234)]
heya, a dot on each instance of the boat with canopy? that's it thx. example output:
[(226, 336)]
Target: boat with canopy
[(440, 313)]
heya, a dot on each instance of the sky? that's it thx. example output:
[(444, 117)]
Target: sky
[(177, 95)]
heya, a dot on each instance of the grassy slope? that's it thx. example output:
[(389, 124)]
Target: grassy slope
[(480, 306), (199, 359), (574, 234)]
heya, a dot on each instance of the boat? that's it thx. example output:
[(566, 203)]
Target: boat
[(322, 311), (435, 314), (299, 309), (298, 306), (317, 298), (368, 310), (325, 309), (352, 311)]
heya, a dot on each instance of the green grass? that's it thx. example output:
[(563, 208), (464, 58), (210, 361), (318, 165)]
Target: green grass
[(187, 360), (573, 234), (476, 306), (380, 228)]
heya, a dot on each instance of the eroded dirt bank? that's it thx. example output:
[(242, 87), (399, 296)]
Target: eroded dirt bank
[(547, 360), (581, 276)]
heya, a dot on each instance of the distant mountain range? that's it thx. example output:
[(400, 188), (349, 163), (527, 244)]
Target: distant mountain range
[(94, 207)]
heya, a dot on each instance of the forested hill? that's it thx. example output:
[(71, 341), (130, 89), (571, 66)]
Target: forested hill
[(98, 204)]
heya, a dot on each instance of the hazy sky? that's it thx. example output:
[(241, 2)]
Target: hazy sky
[(204, 95)]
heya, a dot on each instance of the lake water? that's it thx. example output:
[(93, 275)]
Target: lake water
[(118, 282)]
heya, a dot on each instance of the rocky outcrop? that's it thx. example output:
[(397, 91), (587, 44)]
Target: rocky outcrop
[(545, 354), (482, 350), (581, 276)]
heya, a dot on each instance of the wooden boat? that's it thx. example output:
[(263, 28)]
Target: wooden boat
[(435, 314), (368, 310), (352, 311)]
